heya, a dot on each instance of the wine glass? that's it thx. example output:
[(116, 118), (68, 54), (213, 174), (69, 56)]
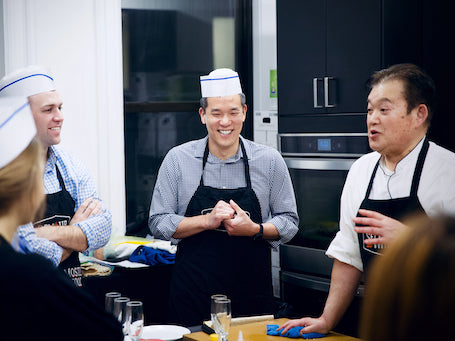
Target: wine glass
[(221, 310), (212, 306), (109, 301), (134, 320), (120, 311)]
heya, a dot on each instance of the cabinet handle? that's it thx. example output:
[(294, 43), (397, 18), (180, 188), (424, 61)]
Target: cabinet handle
[(326, 93), (315, 93)]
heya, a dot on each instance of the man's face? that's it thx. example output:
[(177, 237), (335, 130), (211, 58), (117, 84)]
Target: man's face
[(223, 117), (47, 112), (391, 130)]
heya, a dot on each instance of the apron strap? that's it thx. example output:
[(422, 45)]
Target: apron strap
[(370, 185), (245, 164), (419, 167), (60, 179)]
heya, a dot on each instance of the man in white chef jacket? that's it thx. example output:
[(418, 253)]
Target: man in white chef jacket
[(75, 220), (405, 175)]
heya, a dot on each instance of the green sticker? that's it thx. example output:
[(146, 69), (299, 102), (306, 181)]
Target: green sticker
[(273, 84)]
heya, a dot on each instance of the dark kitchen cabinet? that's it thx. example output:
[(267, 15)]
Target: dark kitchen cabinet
[(343, 42), (326, 52)]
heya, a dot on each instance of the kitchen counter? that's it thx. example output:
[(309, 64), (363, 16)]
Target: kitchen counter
[(256, 331)]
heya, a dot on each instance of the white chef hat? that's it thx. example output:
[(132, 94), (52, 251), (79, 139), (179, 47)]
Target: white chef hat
[(28, 81), (17, 128), (220, 82)]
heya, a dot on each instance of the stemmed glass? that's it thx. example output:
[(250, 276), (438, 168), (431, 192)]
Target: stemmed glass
[(120, 311), (221, 316), (134, 320), (109, 301)]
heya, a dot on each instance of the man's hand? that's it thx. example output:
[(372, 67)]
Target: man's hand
[(377, 224), (240, 224), (312, 325), (221, 212), (88, 208)]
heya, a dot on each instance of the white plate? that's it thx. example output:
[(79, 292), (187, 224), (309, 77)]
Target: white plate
[(164, 332)]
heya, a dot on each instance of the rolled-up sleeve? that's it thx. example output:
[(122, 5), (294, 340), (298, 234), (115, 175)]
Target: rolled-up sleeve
[(345, 249), (29, 242), (97, 230)]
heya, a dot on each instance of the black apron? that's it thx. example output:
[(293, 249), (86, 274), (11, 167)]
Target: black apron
[(212, 262), (398, 208), (59, 211)]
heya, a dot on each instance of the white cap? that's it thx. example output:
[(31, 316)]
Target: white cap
[(28, 81), (17, 128), (220, 82)]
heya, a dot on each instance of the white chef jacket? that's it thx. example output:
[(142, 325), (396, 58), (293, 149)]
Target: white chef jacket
[(436, 192)]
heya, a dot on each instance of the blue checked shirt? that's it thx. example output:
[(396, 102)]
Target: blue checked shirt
[(180, 174), (79, 184)]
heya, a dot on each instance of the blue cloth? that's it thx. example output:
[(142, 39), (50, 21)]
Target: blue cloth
[(148, 255), (293, 332)]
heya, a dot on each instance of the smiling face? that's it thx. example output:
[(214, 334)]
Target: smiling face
[(392, 131), (47, 112), (223, 117)]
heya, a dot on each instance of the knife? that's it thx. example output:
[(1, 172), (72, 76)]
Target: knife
[(206, 329)]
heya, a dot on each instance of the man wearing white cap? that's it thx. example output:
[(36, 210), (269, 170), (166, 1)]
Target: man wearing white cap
[(225, 201), (38, 300), (75, 219)]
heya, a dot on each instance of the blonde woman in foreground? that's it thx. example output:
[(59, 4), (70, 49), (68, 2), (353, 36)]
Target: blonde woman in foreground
[(411, 291), (38, 300)]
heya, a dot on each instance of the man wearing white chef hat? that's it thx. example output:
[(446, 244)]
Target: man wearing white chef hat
[(225, 201), (37, 298), (75, 219)]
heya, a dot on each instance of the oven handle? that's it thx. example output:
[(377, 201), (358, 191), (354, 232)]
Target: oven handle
[(319, 163)]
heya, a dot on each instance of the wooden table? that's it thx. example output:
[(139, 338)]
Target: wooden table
[(256, 331)]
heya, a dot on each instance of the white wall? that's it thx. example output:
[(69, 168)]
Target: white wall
[(81, 42), (264, 60)]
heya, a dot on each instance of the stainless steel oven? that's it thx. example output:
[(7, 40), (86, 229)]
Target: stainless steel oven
[(318, 165)]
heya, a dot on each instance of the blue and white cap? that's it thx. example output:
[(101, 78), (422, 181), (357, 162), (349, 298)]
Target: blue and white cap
[(28, 81), (220, 82), (17, 128)]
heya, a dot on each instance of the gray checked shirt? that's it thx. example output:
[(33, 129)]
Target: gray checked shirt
[(180, 174)]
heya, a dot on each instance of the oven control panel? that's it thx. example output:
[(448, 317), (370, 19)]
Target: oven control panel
[(324, 144)]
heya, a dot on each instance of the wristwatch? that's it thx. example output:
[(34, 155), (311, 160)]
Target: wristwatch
[(260, 234)]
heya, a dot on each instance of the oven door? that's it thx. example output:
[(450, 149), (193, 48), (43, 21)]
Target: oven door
[(318, 183)]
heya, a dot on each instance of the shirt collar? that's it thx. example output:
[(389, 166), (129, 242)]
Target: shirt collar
[(200, 148), (411, 158)]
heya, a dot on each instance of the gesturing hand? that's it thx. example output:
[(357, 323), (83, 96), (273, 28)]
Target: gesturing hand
[(377, 224), (221, 212), (240, 224)]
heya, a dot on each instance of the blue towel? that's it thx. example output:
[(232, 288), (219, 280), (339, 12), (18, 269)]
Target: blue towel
[(149, 255), (293, 332)]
